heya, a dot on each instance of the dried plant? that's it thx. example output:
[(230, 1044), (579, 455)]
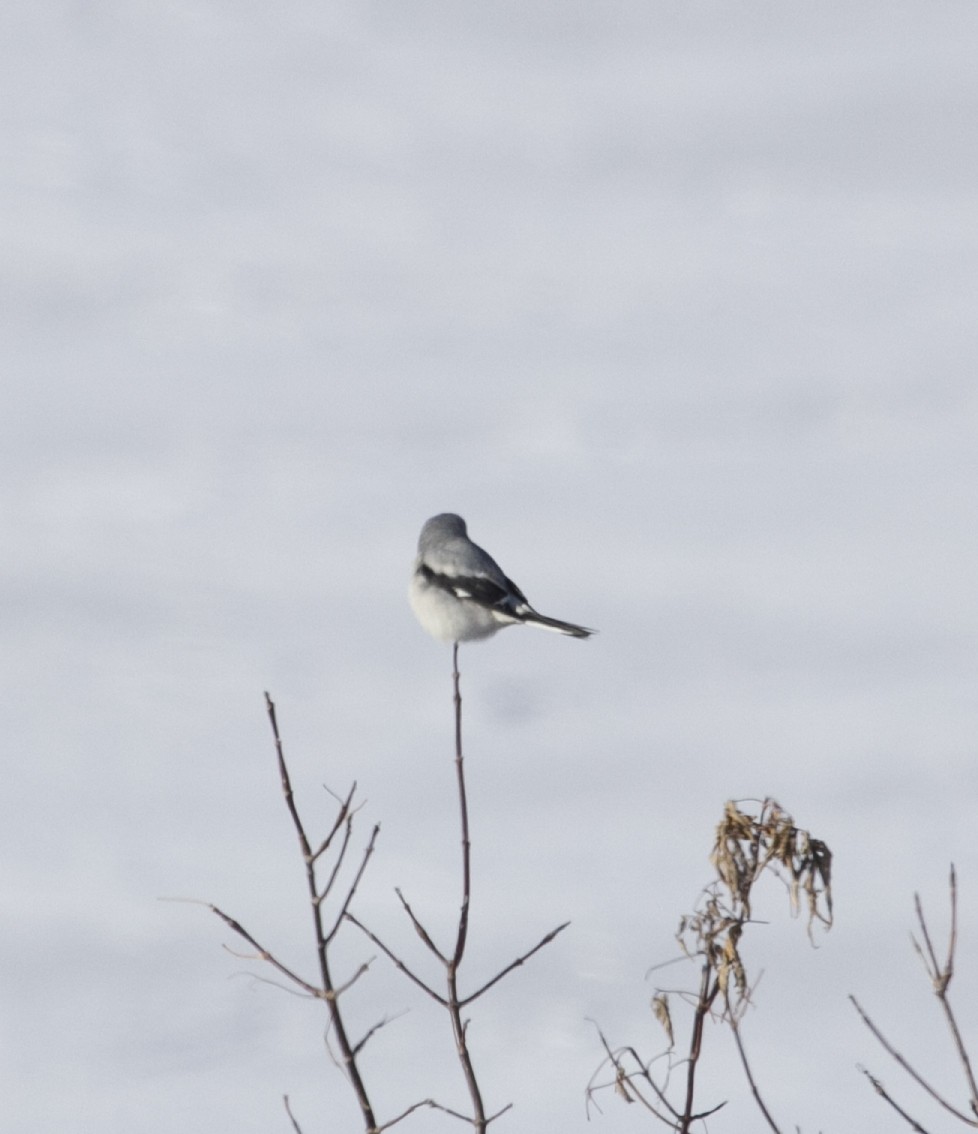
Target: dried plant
[(746, 846), (940, 975)]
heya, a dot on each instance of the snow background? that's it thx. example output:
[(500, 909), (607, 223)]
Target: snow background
[(676, 304)]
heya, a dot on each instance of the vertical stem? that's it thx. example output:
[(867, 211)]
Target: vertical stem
[(735, 1028), (454, 1006), (703, 1004), (463, 921)]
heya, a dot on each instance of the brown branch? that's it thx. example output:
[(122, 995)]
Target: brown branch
[(734, 1023), (463, 920), (398, 963), (513, 965), (288, 1110), (342, 817), (420, 929), (884, 1094), (356, 882), (328, 989), (908, 1067), (704, 1003), (340, 856), (459, 1027), (372, 1031), (404, 1114), (263, 954), (941, 978)]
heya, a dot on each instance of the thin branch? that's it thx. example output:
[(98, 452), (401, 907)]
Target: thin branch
[(287, 781), (463, 920), (404, 1114), (342, 816), (340, 856), (735, 1028), (908, 1067), (288, 1110), (941, 979), (884, 1094), (371, 1031), (398, 963), (479, 1121), (340, 989), (356, 882), (420, 929), (499, 1113), (263, 954), (328, 989), (623, 1084), (513, 965)]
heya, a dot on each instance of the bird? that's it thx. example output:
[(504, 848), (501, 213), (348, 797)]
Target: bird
[(459, 593)]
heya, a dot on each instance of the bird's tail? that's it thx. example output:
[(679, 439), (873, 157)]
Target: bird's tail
[(531, 618)]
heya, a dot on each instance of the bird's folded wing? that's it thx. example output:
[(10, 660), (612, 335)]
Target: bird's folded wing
[(475, 588)]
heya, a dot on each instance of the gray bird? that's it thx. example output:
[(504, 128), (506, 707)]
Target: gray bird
[(459, 593)]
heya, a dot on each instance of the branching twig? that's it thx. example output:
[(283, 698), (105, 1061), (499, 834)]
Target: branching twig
[(396, 960), (940, 977), (907, 1066), (328, 990), (625, 1085), (709, 987), (453, 1000)]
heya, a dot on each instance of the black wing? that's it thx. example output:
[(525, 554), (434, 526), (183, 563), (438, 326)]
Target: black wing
[(476, 588)]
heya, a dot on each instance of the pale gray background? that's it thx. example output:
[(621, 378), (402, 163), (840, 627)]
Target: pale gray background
[(675, 302)]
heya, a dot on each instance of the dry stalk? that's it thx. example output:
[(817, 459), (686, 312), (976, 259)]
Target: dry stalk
[(745, 845)]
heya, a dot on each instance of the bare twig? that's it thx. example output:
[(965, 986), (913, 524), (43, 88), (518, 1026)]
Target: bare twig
[(514, 965), (398, 963), (733, 1019), (420, 929), (907, 1066), (480, 1122), (940, 977), (404, 1113), (352, 889), (371, 1031), (263, 954), (884, 1094), (328, 990), (288, 1110)]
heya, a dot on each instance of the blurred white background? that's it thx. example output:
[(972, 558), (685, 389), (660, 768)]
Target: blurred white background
[(675, 303)]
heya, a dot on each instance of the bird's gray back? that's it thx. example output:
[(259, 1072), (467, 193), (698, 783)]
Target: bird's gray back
[(446, 548)]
